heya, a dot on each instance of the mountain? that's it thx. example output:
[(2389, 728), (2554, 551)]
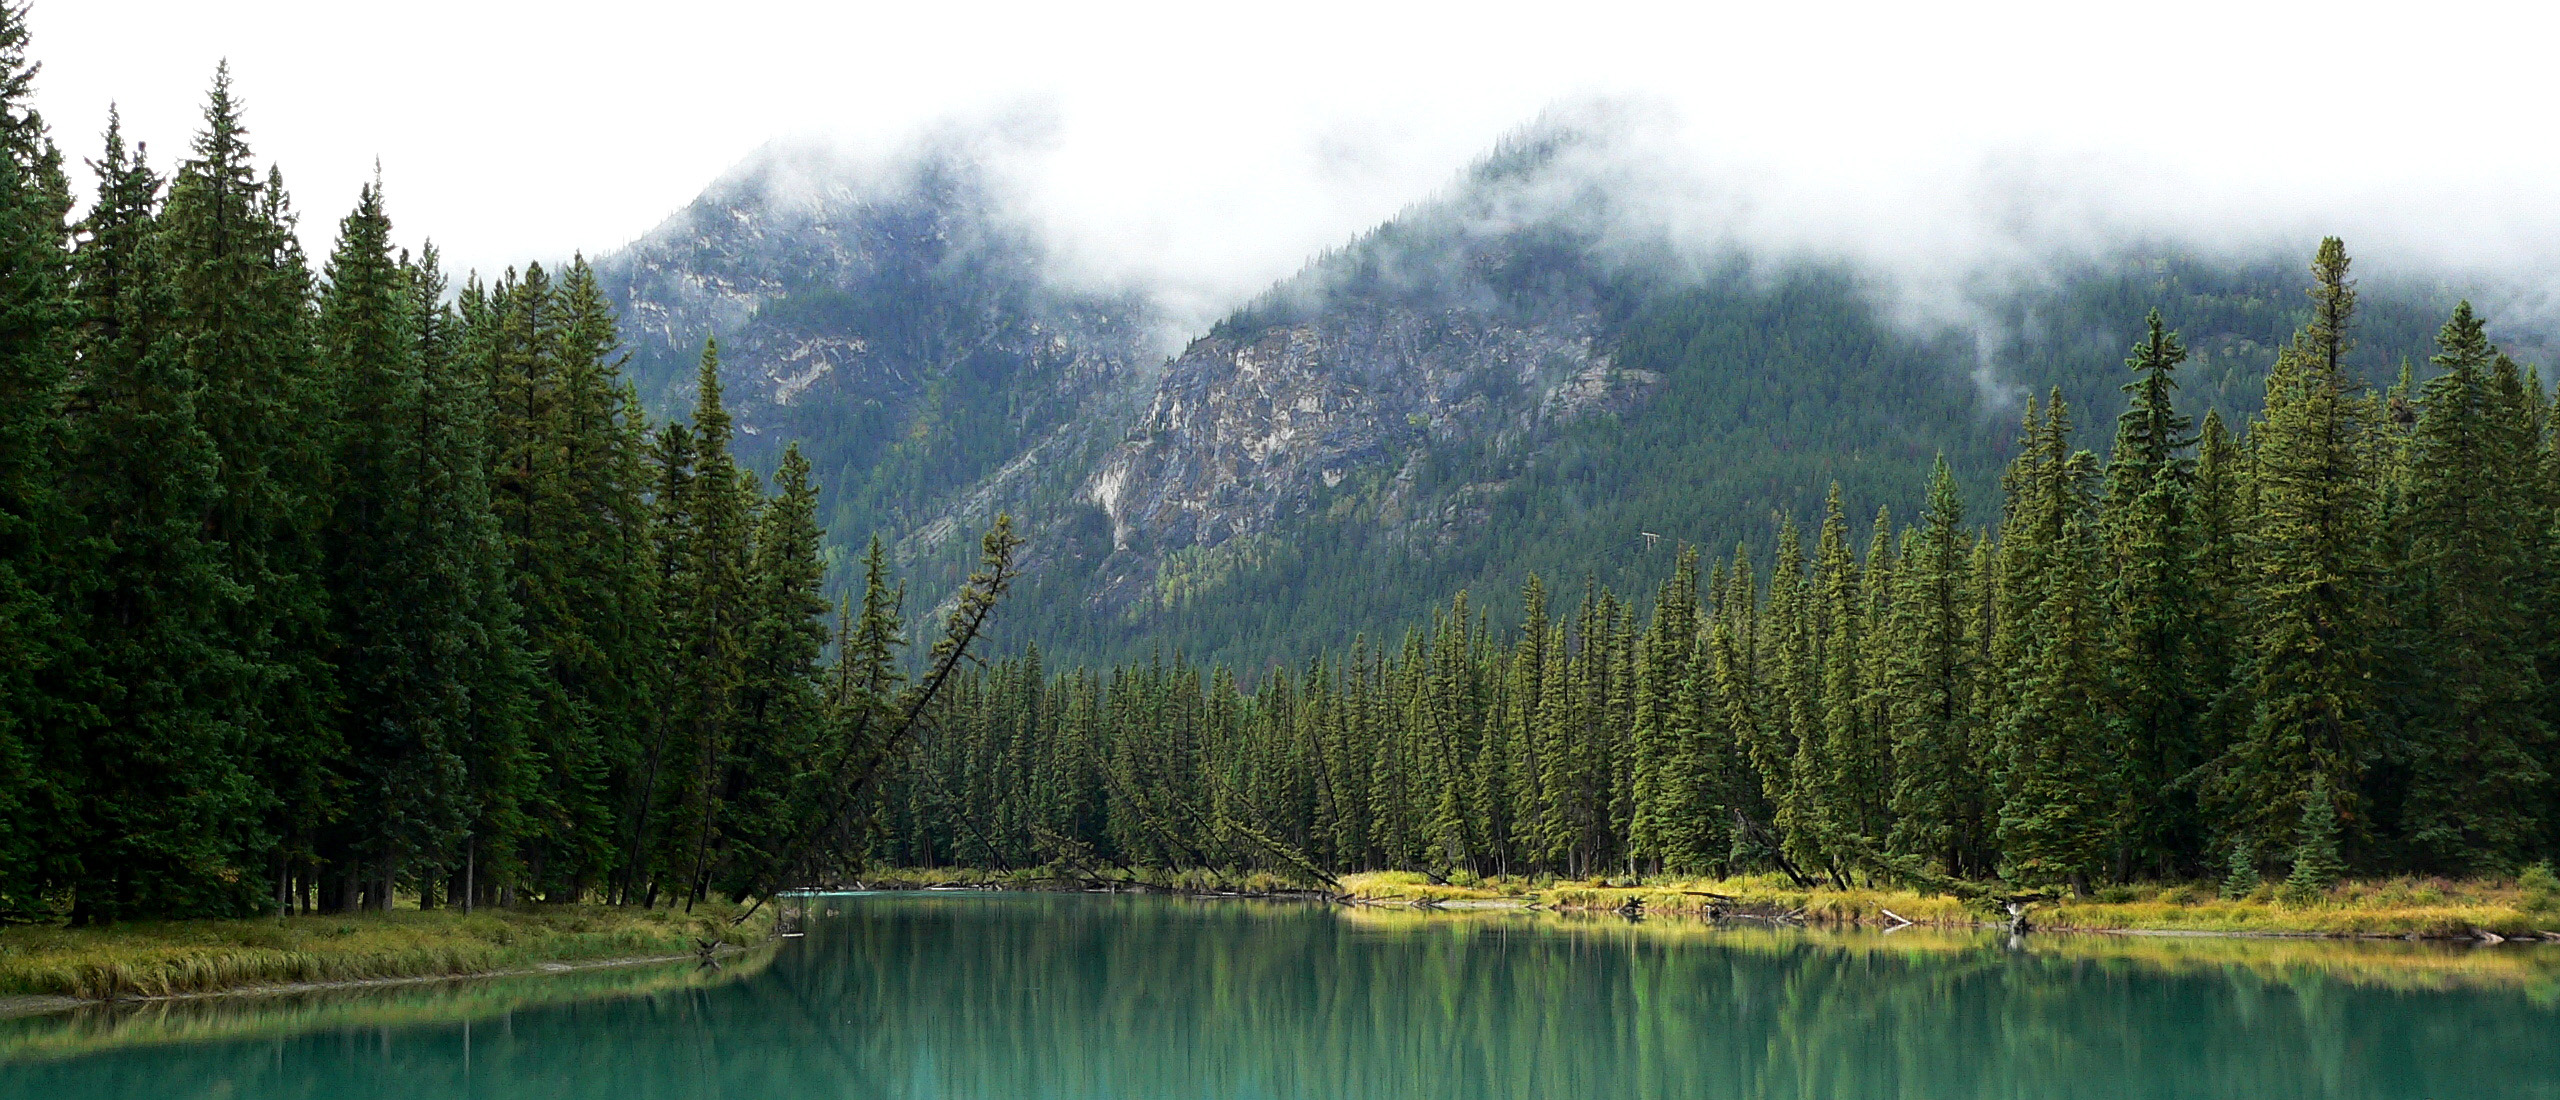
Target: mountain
[(897, 324), (1514, 376)]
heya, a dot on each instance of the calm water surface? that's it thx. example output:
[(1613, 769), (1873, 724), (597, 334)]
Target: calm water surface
[(1004, 997)]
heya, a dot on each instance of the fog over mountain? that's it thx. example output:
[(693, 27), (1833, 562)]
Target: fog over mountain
[(1582, 339), (1936, 240), (1206, 153)]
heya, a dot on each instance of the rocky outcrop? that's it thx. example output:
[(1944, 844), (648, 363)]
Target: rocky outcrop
[(908, 334), (1246, 433), (832, 290)]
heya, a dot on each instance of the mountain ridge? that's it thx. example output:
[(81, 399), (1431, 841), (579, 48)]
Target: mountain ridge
[(1495, 382)]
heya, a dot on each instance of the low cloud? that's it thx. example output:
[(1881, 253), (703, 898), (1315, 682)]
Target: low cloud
[(1205, 152)]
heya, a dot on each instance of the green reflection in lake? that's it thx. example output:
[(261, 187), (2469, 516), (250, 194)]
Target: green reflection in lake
[(998, 997)]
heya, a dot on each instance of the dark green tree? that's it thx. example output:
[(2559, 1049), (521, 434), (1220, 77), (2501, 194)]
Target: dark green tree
[(239, 322), (2473, 525), (161, 798), (2310, 541), (36, 324), (1936, 798), (2153, 603)]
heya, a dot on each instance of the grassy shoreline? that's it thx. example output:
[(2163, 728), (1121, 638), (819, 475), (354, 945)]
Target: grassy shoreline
[(180, 958), (2390, 908), (2399, 908), (73, 1028)]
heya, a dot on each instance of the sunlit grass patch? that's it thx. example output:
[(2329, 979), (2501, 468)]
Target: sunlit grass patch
[(2426, 907), (94, 1028), (162, 958), (1412, 886)]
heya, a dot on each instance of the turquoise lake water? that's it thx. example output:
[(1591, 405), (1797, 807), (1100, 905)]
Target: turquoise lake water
[(997, 997)]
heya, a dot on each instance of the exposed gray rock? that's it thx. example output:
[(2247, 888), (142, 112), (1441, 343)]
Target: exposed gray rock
[(1245, 433)]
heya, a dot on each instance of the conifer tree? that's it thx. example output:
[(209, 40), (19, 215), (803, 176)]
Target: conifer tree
[(1936, 815), (2218, 512), (778, 708), (240, 324), (2310, 538), (1828, 761), (1673, 788), (1785, 761), (401, 579), (2468, 743), (2315, 847), (2153, 605), (2055, 798), (660, 766), (36, 320), (596, 631), (1737, 715), (719, 519), (160, 790), (493, 665), (2241, 877)]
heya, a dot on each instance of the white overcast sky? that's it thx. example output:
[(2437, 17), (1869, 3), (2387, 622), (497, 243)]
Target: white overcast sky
[(1214, 146)]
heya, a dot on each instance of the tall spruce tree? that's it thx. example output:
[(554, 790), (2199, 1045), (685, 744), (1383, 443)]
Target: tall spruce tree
[(496, 669), (2310, 539), (240, 323), (711, 630), (2152, 608), (1936, 805), (2057, 779), (398, 625), (160, 798), (779, 707), (36, 321), (2468, 742), (596, 633)]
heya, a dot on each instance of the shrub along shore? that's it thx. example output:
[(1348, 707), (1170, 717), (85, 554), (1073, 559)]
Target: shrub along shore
[(2524, 911), (184, 958)]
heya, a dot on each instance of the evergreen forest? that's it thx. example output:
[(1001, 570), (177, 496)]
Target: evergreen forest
[(325, 585), (2325, 640), (321, 587)]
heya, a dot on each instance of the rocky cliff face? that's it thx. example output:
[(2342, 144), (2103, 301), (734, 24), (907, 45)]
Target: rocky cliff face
[(893, 320), (898, 326), (1475, 325), (1248, 433), (824, 285)]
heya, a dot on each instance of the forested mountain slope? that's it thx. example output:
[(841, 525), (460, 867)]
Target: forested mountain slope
[(1514, 376), (893, 322)]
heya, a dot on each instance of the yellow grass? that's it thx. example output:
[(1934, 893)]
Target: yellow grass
[(1043, 878), (2391, 964), (94, 1028), (2427, 908), (153, 958)]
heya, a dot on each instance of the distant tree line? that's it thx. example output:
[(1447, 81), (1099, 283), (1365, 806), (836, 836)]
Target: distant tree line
[(2327, 642), (318, 590)]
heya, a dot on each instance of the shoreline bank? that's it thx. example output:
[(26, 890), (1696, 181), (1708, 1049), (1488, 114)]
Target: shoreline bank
[(44, 968), (12, 1007), (2438, 910)]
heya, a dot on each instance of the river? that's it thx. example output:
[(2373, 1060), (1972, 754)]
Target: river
[(1009, 997)]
